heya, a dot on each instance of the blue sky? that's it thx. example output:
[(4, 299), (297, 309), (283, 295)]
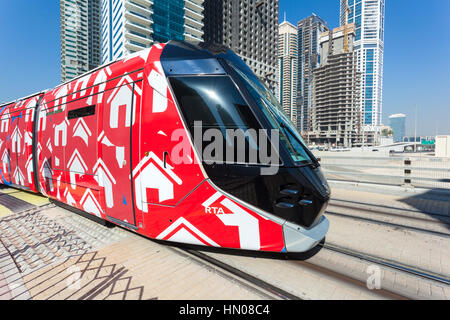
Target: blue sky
[(416, 57), (416, 66), (30, 50)]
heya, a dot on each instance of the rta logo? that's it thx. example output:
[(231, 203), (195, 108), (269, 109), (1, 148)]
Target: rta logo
[(214, 210)]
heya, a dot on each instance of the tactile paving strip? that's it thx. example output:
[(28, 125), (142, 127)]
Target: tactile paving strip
[(35, 240), (14, 204)]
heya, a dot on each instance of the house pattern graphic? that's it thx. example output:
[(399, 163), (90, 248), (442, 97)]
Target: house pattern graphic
[(85, 162)]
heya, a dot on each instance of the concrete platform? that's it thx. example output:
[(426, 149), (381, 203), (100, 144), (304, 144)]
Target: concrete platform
[(55, 254), (51, 253)]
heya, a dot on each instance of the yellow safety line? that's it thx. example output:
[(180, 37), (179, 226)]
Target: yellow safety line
[(30, 198), (33, 199), (9, 191), (4, 211)]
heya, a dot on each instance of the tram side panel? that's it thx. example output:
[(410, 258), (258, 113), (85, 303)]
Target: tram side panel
[(16, 133), (67, 145), (86, 124), (165, 170), (26, 126), (52, 139), (13, 142), (81, 154), (178, 204), (120, 117)]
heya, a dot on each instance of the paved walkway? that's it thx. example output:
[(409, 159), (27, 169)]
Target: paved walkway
[(55, 254), (136, 269)]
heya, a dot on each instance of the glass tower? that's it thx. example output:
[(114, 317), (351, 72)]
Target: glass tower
[(168, 20), (368, 17), (128, 26), (397, 122)]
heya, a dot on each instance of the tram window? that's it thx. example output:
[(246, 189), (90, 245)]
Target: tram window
[(217, 104), (289, 135), (81, 112), (215, 101)]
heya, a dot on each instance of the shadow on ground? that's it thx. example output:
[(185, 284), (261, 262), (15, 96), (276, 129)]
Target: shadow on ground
[(435, 203), (252, 254)]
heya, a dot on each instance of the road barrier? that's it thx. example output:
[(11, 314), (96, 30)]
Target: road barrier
[(421, 172)]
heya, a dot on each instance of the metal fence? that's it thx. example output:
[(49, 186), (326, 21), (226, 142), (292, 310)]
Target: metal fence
[(410, 171)]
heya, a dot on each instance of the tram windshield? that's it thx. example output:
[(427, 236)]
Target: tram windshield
[(215, 102), (274, 112), (215, 110)]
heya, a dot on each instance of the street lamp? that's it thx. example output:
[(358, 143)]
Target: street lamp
[(415, 130)]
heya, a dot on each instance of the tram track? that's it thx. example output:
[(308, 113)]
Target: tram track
[(391, 289), (263, 282), (253, 283), (390, 224), (424, 274), (382, 209), (391, 219), (399, 220), (322, 266)]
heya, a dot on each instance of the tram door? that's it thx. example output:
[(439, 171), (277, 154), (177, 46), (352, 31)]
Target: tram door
[(25, 158), (114, 167), (6, 146), (14, 142)]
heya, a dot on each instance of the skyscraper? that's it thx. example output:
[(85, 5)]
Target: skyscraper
[(80, 34), (94, 15), (397, 122), (288, 69), (128, 26), (309, 31), (249, 28), (177, 20), (368, 17)]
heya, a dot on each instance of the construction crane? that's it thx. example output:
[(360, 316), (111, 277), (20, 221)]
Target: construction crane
[(346, 26)]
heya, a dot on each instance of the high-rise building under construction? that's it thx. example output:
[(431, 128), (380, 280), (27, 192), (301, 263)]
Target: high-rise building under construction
[(309, 31), (336, 110)]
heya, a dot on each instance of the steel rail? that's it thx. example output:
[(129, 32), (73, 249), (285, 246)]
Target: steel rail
[(392, 224), (261, 284), (354, 205), (395, 225), (398, 215), (388, 263)]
